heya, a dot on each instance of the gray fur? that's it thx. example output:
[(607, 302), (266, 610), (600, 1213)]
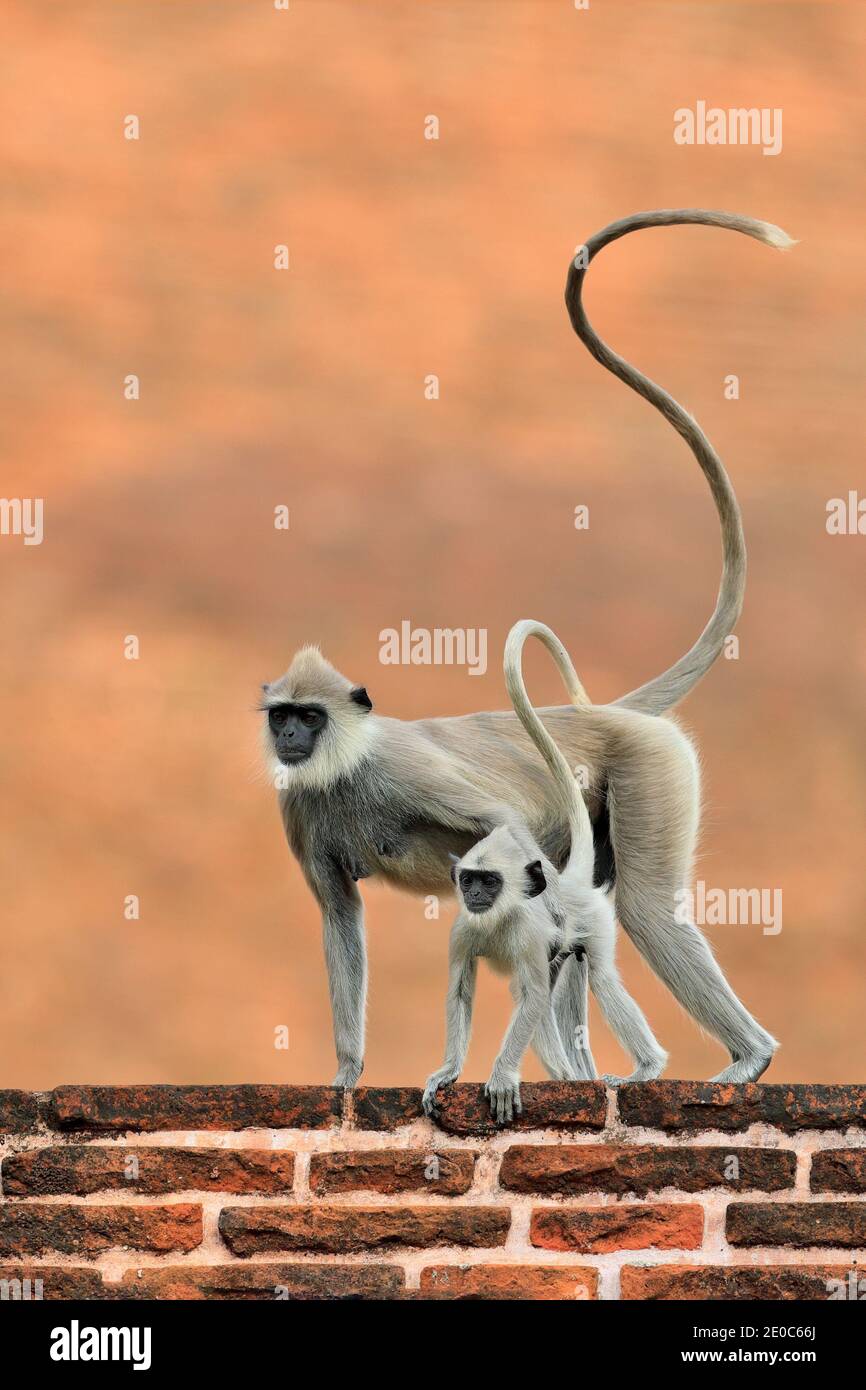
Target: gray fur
[(392, 799)]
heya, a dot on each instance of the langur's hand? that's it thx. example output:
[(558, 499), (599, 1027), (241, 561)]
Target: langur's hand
[(503, 1092), (443, 1077)]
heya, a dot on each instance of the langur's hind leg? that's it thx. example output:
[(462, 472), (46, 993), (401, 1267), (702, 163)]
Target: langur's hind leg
[(570, 1006), (548, 1048), (628, 1026), (653, 800)]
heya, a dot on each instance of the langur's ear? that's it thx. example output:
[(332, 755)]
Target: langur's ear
[(454, 862), (266, 685), (360, 697), (536, 882)]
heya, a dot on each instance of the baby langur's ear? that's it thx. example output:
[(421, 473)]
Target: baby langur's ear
[(454, 862), (360, 697), (536, 882)]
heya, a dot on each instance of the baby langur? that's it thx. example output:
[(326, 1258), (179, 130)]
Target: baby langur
[(589, 915), (504, 919)]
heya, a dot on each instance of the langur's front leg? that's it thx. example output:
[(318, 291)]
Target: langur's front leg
[(346, 960), (463, 970), (531, 990)]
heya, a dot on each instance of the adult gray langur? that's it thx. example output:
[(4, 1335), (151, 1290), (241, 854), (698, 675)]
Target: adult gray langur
[(365, 795)]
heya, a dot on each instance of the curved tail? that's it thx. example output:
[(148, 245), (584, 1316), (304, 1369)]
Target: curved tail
[(667, 689), (582, 853)]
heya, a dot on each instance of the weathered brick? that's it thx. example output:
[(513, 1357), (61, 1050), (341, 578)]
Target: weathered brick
[(736, 1283), (386, 1107), (465, 1109), (662, 1226), (696, 1105), (19, 1112), (572, 1170), (529, 1282), (270, 1282), (23, 1282), (338, 1230), (117, 1108), (79, 1169), (841, 1224), (446, 1171), (29, 1228), (839, 1170)]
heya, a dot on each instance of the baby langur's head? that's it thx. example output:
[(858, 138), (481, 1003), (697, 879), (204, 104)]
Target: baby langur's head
[(316, 722), (493, 879)]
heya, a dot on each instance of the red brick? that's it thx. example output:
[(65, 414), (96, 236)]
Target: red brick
[(57, 1283), (117, 1108), (696, 1105), (839, 1170), (19, 1112), (338, 1230), (525, 1282), (79, 1169), (29, 1228), (385, 1107), (573, 1170), (393, 1170), (734, 1283), (267, 1282), (638, 1226), (546, 1105), (801, 1224)]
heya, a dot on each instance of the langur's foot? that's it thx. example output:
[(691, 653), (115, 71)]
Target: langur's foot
[(348, 1074), (646, 1071), (429, 1100), (745, 1069)]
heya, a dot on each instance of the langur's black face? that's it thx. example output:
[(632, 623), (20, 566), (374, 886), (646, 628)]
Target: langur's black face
[(295, 729), (479, 888)]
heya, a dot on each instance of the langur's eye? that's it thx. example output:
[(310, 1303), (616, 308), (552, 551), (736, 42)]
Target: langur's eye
[(277, 717), (310, 717), (489, 880)]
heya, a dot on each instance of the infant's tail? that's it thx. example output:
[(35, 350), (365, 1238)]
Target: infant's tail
[(574, 806)]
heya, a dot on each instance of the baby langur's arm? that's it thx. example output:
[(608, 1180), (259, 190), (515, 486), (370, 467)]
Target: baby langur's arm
[(531, 989), (462, 974)]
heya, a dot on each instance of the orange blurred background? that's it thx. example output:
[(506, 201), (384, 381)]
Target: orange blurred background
[(306, 388)]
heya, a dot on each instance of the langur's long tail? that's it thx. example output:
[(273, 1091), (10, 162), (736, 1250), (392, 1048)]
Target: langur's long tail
[(582, 853), (667, 689)]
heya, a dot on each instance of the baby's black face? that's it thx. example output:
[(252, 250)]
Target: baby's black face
[(479, 888)]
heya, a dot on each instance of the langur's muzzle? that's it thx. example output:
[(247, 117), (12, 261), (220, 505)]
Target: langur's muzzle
[(294, 743)]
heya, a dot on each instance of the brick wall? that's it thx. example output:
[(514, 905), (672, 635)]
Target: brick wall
[(669, 1190)]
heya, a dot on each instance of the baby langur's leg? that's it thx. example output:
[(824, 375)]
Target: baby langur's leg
[(463, 970), (622, 1013), (530, 987), (570, 1006), (548, 1047)]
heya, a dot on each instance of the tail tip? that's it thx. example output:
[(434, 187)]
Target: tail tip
[(774, 236)]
